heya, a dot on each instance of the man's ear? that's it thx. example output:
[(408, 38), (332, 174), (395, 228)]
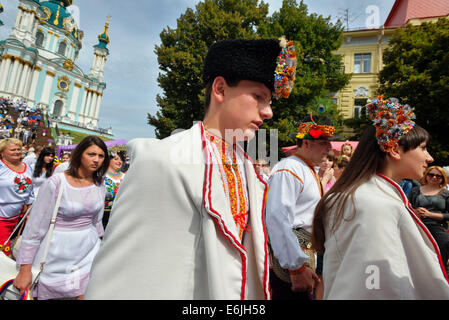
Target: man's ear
[(396, 152), (218, 88)]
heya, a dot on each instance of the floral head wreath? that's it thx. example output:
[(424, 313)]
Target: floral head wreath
[(311, 130), (391, 120), (285, 72)]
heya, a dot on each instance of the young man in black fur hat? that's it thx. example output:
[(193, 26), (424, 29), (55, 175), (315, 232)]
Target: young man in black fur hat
[(188, 221)]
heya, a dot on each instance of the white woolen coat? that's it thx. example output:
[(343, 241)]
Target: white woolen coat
[(171, 234), (384, 251)]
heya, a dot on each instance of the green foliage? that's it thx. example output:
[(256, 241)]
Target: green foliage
[(417, 72), (182, 52), (78, 136), (319, 70)]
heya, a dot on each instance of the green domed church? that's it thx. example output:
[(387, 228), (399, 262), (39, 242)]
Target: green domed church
[(38, 65)]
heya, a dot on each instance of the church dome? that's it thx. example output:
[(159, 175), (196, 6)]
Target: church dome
[(55, 14), (104, 37)]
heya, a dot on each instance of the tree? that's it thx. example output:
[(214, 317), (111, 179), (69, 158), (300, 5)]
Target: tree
[(183, 50), (319, 71), (416, 71)]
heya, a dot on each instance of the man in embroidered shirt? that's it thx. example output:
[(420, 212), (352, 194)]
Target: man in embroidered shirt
[(189, 214), (295, 189)]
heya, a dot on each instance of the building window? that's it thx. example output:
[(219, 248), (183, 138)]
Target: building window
[(359, 108), (57, 110), (40, 39), (62, 48), (362, 63)]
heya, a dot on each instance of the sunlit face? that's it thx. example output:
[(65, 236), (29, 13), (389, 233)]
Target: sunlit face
[(326, 163), (92, 158), (245, 108), (65, 158), (12, 153), (414, 162), (347, 149), (48, 158), (434, 177), (116, 163)]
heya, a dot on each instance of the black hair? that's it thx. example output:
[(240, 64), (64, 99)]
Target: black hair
[(40, 164), (75, 162)]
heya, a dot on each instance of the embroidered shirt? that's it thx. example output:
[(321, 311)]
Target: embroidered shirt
[(16, 190), (295, 190), (112, 183), (229, 160)]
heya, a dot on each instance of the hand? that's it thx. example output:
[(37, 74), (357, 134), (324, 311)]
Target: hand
[(327, 175), (307, 280), (23, 279), (424, 213)]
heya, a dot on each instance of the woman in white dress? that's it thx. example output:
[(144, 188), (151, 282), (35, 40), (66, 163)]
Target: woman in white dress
[(375, 245), (78, 228), (43, 169)]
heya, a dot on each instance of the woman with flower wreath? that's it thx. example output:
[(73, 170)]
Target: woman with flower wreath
[(112, 180), (346, 150), (375, 245), (16, 189)]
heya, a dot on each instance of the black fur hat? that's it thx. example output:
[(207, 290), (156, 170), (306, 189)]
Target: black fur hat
[(243, 59)]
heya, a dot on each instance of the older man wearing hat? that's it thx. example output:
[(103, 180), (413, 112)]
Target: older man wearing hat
[(295, 189), (188, 219)]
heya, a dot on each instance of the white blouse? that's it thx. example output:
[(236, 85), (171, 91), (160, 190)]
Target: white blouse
[(16, 189), (75, 239)]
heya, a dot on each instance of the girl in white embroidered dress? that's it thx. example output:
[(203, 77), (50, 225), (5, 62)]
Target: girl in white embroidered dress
[(78, 228), (375, 246)]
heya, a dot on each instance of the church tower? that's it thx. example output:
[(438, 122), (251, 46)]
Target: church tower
[(26, 24), (1, 10), (100, 55)]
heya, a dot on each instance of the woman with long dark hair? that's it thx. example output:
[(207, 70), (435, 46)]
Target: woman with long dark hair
[(375, 246), (43, 168), (78, 228)]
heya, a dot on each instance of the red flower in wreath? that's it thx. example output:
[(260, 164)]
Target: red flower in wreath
[(315, 133)]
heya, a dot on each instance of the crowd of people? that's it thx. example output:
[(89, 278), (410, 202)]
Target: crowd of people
[(194, 218), (32, 181), (25, 126)]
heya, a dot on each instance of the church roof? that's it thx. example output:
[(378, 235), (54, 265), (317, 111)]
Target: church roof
[(1, 10), (58, 16), (104, 37), (405, 10)]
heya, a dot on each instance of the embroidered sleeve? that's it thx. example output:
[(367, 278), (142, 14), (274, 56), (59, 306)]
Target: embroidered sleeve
[(38, 222)]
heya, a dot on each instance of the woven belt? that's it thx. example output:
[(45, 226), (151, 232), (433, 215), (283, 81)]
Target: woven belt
[(304, 240)]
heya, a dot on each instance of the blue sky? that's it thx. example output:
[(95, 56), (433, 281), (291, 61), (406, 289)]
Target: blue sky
[(132, 69)]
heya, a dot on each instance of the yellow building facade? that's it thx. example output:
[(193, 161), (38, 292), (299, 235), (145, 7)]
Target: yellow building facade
[(362, 51)]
